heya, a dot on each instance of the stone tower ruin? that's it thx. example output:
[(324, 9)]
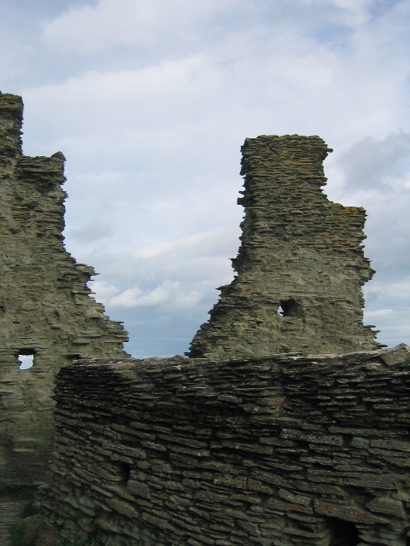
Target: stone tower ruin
[(300, 266), (243, 446), (46, 310)]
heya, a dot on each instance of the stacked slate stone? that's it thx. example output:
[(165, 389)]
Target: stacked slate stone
[(275, 451), (45, 306), (300, 267)]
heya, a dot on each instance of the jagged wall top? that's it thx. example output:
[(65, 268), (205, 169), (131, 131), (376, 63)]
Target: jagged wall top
[(46, 308)]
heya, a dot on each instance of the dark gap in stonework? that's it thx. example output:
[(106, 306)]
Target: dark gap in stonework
[(344, 533), (124, 473), (289, 307)]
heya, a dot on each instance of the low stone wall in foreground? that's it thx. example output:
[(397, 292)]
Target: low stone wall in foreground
[(282, 450)]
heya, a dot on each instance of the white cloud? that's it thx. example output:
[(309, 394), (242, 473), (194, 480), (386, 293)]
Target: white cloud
[(358, 9), (103, 291), (283, 79), (88, 29), (370, 315), (168, 292)]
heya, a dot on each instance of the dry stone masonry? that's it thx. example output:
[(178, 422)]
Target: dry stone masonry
[(275, 451), (300, 267), (262, 440), (46, 311)]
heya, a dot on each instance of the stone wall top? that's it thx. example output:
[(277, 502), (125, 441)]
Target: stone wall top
[(278, 450)]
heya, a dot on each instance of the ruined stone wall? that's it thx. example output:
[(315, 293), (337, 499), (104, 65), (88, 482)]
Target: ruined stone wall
[(300, 267), (45, 306), (276, 451)]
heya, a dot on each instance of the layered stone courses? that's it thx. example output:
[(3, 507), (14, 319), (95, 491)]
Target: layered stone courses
[(237, 446), (281, 450), (45, 304), (300, 266)]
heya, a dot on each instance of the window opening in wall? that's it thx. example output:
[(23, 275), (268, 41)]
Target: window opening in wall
[(289, 308), (26, 359), (344, 533)]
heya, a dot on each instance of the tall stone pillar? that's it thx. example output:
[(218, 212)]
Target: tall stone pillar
[(300, 266)]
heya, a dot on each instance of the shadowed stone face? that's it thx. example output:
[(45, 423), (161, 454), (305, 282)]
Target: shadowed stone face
[(282, 450), (300, 266)]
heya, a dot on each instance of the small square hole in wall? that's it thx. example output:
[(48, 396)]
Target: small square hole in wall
[(289, 308), (344, 533), (124, 473), (26, 359)]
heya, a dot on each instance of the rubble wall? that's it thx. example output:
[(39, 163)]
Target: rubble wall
[(45, 306), (300, 266), (282, 450)]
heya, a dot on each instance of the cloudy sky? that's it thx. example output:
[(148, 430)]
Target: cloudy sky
[(150, 101)]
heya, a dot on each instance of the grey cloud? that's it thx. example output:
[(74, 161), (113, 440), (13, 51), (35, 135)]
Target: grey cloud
[(377, 164), (91, 232)]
